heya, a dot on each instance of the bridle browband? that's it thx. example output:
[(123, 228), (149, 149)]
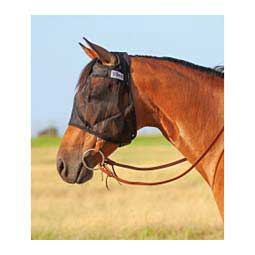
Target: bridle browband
[(106, 162)]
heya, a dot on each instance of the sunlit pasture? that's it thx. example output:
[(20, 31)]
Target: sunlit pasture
[(184, 209)]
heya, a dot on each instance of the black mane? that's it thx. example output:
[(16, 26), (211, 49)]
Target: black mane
[(217, 70), (84, 74)]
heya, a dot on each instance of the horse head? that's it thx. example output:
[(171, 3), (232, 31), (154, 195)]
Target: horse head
[(103, 116)]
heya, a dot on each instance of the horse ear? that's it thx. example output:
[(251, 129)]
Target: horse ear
[(106, 57), (91, 53)]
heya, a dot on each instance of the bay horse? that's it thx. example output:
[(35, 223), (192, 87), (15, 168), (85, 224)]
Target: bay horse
[(183, 100)]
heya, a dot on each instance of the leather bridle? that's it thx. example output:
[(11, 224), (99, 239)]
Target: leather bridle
[(106, 162)]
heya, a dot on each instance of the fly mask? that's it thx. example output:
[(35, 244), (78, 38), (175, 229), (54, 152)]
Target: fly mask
[(104, 106)]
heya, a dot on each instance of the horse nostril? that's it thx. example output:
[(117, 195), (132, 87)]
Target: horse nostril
[(60, 165)]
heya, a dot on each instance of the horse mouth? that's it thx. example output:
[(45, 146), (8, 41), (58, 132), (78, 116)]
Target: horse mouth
[(83, 174), (78, 174)]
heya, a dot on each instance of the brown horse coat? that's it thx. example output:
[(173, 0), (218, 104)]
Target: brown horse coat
[(185, 101)]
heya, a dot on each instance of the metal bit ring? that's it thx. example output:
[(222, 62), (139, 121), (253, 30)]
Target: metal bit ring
[(85, 163)]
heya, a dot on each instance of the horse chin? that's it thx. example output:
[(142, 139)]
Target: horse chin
[(84, 175)]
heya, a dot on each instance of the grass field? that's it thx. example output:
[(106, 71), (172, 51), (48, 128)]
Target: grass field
[(181, 210)]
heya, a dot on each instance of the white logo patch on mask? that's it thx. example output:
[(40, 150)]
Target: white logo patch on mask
[(117, 75)]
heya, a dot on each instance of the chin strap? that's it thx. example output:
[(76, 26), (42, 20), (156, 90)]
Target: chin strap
[(104, 167)]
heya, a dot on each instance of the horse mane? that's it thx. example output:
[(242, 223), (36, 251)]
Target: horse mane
[(217, 70), (84, 74)]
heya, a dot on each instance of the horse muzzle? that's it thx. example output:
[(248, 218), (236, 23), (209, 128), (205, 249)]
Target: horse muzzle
[(78, 174)]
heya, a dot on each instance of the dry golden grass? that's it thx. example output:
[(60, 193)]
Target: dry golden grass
[(181, 210)]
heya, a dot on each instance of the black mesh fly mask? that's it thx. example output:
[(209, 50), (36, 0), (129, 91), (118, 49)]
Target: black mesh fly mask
[(104, 105)]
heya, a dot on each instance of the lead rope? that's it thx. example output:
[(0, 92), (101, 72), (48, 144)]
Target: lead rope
[(105, 169)]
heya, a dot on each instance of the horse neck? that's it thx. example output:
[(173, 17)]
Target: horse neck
[(185, 103)]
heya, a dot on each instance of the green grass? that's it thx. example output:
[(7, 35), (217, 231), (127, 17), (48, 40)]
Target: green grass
[(146, 233), (148, 140), (45, 141), (142, 140)]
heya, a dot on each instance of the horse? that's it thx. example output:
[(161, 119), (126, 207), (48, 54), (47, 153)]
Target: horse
[(183, 100)]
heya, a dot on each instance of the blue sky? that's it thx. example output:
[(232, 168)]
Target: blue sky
[(57, 59)]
